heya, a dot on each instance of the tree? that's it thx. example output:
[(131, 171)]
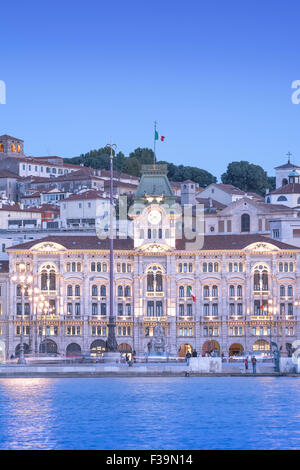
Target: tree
[(144, 155), (246, 176), (133, 165)]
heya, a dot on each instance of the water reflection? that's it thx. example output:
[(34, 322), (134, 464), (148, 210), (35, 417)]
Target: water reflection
[(150, 413), (28, 413)]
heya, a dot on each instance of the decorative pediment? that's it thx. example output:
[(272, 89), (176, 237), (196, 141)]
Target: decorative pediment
[(46, 247), (154, 248), (261, 247)]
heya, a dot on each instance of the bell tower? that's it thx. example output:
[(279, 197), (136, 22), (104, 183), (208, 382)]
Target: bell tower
[(11, 146)]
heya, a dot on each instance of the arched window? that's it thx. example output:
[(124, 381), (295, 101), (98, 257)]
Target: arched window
[(94, 290), (77, 291), (13, 148), (210, 267), (261, 278), (245, 223), (204, 267), (18, 148), (78, 267), (99, 267), (214, 291), (18, 290), (127, 291), (216, 267), (231, 291), (159, 282), (189, 291), (181, 291), (93, 267), (48, 277), (1, 148), (154, 279), (298, 200), (206, 291), (290, 291), (120, 291), (239, 291), (104, 267), (268, 200), (150, 282), (284, 182), (281, 198), (69, 290), (103, 291), (282, 291)]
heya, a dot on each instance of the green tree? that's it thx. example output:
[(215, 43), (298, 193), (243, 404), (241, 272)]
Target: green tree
[(246, 176), (144, 155)]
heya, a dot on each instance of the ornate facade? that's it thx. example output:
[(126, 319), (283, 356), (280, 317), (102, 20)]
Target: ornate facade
[(232, 294)]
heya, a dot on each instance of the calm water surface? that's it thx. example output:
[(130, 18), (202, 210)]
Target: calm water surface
[(150, 413)]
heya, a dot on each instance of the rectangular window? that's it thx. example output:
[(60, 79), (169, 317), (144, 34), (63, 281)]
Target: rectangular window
[(150, 308), (221, 226), (77, 309), (103, 309)]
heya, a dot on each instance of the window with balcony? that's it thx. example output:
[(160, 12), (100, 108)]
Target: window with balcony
[(48, 278)]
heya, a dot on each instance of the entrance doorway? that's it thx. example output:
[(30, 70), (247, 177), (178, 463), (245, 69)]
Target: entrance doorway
[(73, 349), (211, 348), (236, 349), (48, 346), (98, 348), (184, 349)]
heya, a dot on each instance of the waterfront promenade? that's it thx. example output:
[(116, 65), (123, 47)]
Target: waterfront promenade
[(136, 370)]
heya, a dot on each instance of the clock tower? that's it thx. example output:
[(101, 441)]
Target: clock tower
[(155, 212)]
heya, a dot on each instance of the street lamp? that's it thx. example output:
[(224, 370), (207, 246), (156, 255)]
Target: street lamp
[(112, 345), (24, 280)]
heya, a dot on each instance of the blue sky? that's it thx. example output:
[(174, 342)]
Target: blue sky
[(216, 75)]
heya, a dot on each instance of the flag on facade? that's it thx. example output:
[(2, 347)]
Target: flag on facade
[(192, 294), (159, 137)]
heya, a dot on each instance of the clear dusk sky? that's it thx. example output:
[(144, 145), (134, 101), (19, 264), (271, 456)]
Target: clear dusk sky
[(216, 75)]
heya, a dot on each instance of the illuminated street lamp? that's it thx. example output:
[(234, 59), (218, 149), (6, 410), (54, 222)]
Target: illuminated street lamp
[(24, 280)]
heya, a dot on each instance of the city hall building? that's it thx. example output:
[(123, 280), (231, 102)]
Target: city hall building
[(229, 295)]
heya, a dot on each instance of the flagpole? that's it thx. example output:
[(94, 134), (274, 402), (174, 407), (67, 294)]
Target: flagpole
[(154, 142)]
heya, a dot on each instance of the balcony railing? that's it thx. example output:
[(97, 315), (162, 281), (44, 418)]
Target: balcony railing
[(154, 294), (153, 318)]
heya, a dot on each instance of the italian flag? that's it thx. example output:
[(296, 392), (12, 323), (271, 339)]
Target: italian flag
[(192, 294), (159, 137)]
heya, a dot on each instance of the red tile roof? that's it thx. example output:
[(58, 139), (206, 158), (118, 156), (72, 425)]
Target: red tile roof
[(5, 136), (291, 188), (90, 194), (211, 243), (229, 188), (9, 174)]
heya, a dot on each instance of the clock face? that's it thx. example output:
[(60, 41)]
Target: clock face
[(154, 217)]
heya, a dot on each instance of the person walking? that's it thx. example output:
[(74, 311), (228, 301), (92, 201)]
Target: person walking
[(188, 357), (246, 364), (194, 354), (253, 360)]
